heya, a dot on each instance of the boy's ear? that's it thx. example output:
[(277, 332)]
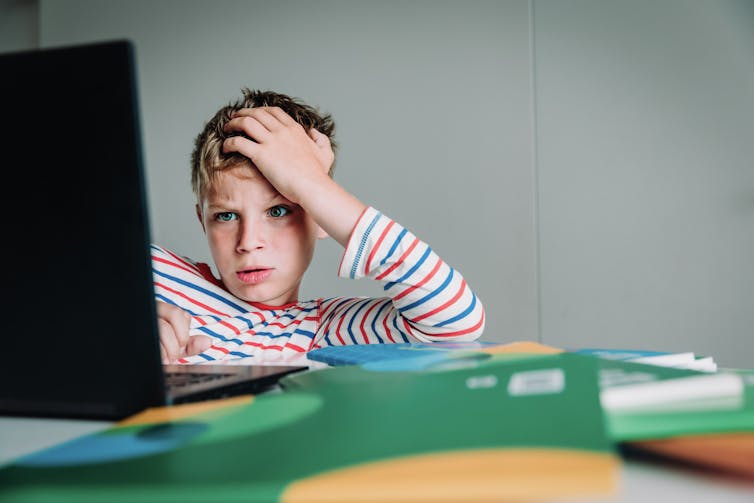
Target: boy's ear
[(199, 216)]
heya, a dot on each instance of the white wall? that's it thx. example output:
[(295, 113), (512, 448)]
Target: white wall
[(609, 198), (431, 100), (645, 130)]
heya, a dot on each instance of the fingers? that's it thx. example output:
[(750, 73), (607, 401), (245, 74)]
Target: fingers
[(281, 116), (198, 344), (173, 324), (170, 350), (320, 139), (324, 147), (241, 145)]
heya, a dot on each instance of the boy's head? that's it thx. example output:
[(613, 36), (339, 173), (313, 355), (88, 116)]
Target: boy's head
[(261, 243), (208, 158)]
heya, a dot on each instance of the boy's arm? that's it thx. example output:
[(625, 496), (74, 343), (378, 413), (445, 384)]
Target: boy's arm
[(296, 163), (427, 301)]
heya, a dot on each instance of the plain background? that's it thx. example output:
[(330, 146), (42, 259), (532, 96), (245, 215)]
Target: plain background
[(588, 165)]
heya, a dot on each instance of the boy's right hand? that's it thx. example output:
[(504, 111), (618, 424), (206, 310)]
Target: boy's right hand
[(175, 341)]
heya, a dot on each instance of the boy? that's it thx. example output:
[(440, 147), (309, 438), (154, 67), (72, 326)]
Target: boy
[(261, 172)]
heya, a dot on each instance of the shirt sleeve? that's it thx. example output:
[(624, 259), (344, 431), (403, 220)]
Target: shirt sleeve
[(426, 299)]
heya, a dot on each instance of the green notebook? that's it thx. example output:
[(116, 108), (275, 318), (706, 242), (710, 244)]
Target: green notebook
[(649, 402), (504, 427)]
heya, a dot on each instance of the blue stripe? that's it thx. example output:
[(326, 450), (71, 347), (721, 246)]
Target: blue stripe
[(363, 244), (219, 336), (410, 271), (331, 315), (392, 248), (376, 332), (461, 315), (431, 295), (273, 335), (202, 290), (395, 324), (172, 303), (353, 318), (305, 333), (237, 353), (206, 357), (334, 309), (248, 322)]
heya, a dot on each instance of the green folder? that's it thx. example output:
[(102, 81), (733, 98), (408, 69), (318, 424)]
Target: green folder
[(503, 427)]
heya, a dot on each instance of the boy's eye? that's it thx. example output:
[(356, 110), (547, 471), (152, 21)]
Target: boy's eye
[(225, 216), (278, 211)]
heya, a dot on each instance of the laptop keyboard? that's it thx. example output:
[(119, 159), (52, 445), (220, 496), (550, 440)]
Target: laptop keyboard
[(180, 379)]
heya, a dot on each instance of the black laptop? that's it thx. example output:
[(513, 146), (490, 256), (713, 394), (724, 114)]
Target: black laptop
[(78, 332)]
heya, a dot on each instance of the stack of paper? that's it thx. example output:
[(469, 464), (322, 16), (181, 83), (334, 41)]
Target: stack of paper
[(686, 360)]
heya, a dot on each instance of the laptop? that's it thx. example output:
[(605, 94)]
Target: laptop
[(78, 328)]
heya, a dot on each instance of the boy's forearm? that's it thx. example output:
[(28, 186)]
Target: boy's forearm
[(334, 209)]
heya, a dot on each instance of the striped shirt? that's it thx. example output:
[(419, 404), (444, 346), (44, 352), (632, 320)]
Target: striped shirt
[(426, 301)]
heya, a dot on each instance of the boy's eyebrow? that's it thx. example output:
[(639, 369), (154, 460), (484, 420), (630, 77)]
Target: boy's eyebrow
[(276, 199)]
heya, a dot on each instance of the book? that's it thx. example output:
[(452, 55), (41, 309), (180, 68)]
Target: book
[(359, 354), (686, 360), (644, 401)]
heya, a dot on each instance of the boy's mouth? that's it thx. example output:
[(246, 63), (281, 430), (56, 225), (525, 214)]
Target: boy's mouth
[(254, 276)]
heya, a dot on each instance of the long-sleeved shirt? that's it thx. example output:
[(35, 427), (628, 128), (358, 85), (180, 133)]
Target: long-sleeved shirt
[(426, 301)]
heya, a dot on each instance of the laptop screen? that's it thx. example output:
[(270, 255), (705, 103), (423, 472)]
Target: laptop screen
[(78, 329)]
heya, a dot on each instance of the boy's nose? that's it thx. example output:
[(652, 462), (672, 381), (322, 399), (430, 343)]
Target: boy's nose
[(251, 237)]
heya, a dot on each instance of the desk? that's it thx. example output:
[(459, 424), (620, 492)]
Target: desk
[(640, 480)]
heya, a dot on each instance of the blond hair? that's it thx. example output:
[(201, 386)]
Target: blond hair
[(208, 158)]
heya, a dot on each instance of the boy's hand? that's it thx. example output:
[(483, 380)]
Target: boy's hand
[(175, 341), (288, 156)]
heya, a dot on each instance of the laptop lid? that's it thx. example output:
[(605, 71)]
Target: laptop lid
[(79, 333)]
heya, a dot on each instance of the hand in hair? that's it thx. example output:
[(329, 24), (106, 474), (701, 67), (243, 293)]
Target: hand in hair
[(296, 163), (292, 159)]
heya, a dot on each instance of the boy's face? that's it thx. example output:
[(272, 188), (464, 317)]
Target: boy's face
[(261, 242)]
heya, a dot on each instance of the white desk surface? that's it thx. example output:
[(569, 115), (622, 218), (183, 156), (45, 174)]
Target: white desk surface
[(640, 481)]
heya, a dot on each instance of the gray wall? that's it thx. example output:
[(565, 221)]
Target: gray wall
[(645, 134), (586, 164)]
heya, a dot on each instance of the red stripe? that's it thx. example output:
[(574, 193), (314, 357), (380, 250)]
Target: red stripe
[(295, 347), (337, 330), (421, 283), (408, 327), (222, 350), (234, 329), (384, 324), (195, 302), (364, 320), (318, 324), (377, 246), (400, 260), (278, 324), (461, 332), (444, 306), (344, 307), (262, 346), (275, 346), (173, 264), (179, 259)]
